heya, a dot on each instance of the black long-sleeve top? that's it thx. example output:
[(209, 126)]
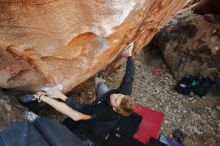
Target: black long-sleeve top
[(104, 116)]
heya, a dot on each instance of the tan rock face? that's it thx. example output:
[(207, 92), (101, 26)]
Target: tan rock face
[(191, 45), (46, 43)]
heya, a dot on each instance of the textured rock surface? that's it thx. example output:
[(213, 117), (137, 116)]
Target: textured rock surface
[(10, 111), (190, 44), (48, 42)]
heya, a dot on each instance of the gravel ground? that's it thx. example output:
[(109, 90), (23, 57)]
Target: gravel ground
[(153, 87)]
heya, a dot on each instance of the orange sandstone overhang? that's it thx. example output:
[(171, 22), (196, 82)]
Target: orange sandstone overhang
[(46, 43)]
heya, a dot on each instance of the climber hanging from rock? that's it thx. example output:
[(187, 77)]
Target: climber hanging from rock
[(93, 122)]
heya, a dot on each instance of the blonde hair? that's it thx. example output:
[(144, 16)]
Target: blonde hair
[(126, 106)]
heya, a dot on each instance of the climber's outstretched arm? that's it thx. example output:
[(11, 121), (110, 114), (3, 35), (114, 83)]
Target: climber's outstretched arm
[(63, 108)]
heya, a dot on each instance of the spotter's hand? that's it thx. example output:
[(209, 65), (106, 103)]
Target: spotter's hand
[(41, 93)]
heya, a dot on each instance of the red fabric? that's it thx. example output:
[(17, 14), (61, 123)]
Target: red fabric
[(150, 124)]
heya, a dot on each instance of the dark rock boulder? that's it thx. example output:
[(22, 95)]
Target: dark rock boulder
[(190, 44)]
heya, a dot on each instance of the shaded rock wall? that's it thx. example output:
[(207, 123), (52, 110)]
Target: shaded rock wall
[(207, 6), (46, 43), (191, 44), (10, 111)]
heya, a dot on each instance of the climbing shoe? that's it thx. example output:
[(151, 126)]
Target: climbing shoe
[(26, 98)]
